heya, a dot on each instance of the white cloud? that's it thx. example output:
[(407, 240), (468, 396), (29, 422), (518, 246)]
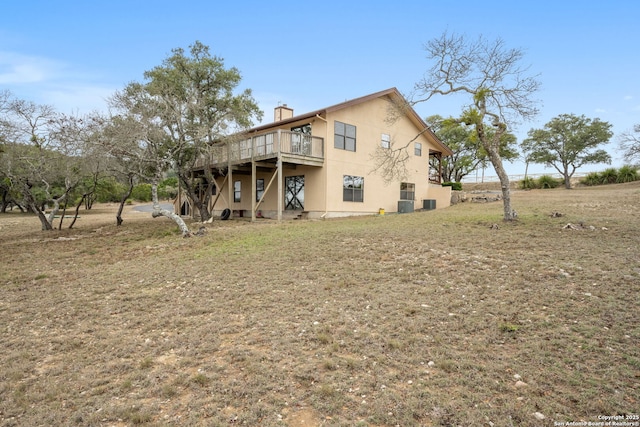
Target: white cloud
[(628, 97), (600, 110), (21, 69), (48, 81)]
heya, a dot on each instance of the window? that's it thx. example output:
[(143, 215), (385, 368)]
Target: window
[(294, 192), (236, 191), (418, 149), (385, 141), (304, 129), (301, 139), (353, 189), (344, 136), (407, 191), (259, 189)]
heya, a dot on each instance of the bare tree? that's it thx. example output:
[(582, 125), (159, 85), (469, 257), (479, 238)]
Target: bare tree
[(390, 162), (44, 156), (124, 154), (630, 144), (70, 137), (390, 158), (137, 137), (29, 158), (497, 88)]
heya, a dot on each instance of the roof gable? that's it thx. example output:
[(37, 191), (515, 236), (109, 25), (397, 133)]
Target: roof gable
[(392, 93)]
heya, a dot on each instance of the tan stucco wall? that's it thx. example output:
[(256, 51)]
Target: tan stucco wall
[(442, 196), (370, 121)]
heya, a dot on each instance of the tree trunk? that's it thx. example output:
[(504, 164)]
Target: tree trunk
[(56, 208), (31, 205), (496, 160), (75, 217), (64, 212), (46, 225), (204, 212), (43, 219), (158, 211), (567, 178), (123, 200), (89, 200), (201, 205), (5, 201)]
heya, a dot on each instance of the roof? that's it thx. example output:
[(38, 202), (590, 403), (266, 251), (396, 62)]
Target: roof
[(392, 93)]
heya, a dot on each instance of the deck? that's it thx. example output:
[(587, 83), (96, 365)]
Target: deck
[(290, 147)]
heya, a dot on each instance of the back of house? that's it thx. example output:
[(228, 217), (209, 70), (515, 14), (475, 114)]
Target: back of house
[(359, 157)]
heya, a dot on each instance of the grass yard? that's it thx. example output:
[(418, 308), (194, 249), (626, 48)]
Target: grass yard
[(426, 319)]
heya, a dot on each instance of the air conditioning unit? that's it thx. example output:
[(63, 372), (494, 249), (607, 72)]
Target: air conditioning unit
[(405, 206), (428, 204)]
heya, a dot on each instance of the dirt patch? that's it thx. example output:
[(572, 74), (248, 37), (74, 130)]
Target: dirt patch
[(429, 318)]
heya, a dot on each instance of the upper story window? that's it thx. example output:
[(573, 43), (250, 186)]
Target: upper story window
[(305, 129), (344, 136), (385, 141), (418, 149), (301, 139)]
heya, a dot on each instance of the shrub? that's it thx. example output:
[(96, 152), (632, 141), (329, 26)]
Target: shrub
[(547, 181), (591, 179), (167, 192), (628, 174), (168, 188), (612, 176), (457, 186), (141, 193), (109, 190), (609, 176), (528, 183)]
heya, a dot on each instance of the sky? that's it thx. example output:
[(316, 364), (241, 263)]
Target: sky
[(310, 55)]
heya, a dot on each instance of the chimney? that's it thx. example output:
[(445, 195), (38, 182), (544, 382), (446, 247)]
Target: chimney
[(282, 112)]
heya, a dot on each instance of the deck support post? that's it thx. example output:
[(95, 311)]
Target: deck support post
[(280, 190), (231, 184), (253, 190)]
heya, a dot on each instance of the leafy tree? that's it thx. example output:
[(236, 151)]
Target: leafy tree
[(497, 88), (468, 154), (109, 189), (192, 95), (630, 144), (568, 142)]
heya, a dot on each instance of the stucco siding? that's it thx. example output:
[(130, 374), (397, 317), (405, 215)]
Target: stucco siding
[(371, 121)]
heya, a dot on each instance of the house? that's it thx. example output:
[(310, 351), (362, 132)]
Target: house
[(321, 164)]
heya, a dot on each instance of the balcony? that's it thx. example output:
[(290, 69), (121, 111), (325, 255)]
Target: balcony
[(291, 147)]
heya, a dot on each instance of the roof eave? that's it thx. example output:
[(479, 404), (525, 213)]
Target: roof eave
[(391, 92)]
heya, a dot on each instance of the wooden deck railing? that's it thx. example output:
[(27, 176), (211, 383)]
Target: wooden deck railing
[(264, 146)]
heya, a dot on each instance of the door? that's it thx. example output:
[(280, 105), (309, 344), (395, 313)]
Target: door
[(294, 192)]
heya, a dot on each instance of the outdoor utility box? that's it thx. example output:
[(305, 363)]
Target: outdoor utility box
[(405, 206), (428, 204)]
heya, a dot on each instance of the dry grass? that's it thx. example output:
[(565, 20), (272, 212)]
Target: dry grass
[(424, 319)]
